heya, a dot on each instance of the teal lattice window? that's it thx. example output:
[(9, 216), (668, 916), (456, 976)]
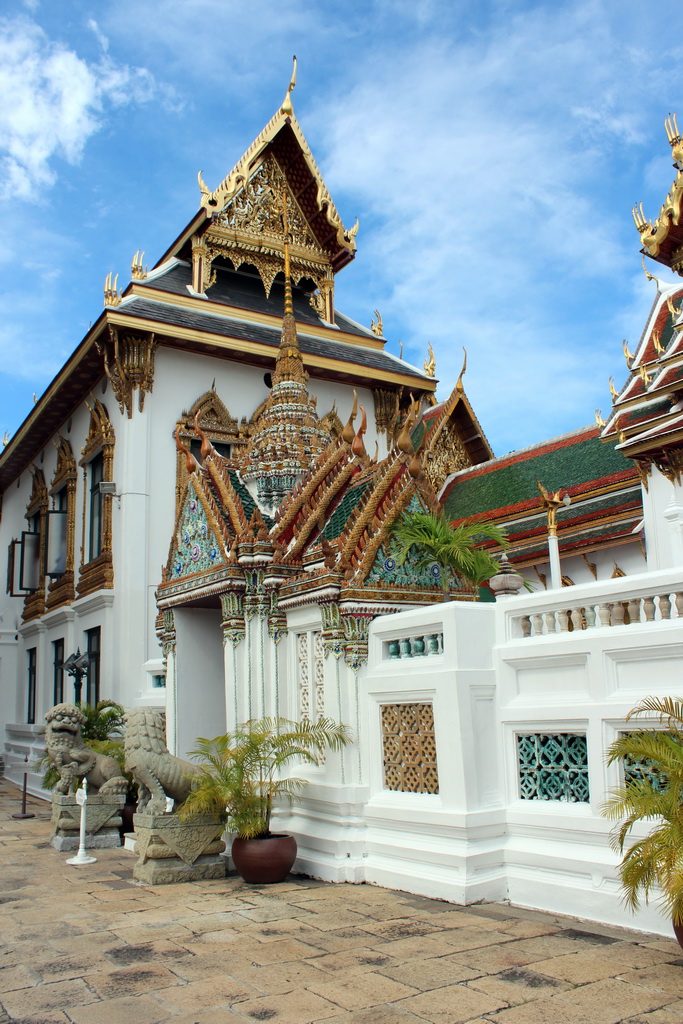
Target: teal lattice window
[(553, 767)]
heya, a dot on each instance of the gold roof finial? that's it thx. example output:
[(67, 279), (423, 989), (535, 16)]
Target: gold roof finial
[(639, 219), (612, 390), (376, 326), (112, 295), (674, 137), (675, 313), (647, 273), (430, 362), (5, 440), (599, 420), (657, 342), (458, 384), (137, 271), (287, 109), (645, 376), (348, 433), (628, 355)]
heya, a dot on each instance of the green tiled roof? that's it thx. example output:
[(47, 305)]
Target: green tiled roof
[(511, 483), (335, 524)]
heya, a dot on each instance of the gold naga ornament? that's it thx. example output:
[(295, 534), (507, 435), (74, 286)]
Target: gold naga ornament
[(430, 362)]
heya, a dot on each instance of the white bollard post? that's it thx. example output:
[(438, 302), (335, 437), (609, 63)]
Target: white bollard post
[(82, 857)]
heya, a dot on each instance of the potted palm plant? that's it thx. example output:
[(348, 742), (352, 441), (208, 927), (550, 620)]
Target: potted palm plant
[(652, 791), (241, 776)]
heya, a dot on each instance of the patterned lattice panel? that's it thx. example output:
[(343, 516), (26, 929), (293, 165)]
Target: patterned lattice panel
[(409, 748), (553, 767)]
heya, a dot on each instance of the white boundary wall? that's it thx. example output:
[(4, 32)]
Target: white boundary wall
[(477, 839)]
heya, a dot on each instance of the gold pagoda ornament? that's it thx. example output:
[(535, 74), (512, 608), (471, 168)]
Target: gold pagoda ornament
[(288, 436)]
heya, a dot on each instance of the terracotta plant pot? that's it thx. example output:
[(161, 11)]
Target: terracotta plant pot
[(678, 932), (264, 861)]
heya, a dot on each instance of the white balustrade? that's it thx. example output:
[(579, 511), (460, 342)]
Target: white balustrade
[(615, 604)]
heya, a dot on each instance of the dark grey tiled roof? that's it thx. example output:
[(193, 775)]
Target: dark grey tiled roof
[(243, 330), (246, 291)]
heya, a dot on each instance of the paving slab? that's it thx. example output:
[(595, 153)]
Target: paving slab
[(93, 946)]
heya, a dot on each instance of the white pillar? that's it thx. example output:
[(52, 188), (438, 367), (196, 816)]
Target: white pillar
[(554, 554)]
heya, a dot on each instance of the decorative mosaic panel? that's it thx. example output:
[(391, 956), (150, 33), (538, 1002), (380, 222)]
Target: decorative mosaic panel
[(386, 569), (311, 673), (319, 673), (409, 748), (304, 676), (553, 767), (197, 548)]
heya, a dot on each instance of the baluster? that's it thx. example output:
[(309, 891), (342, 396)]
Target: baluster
[(563, 620), (405, 647), (537, 623), (432, 643), (665, 606), (525, 625), (393, 649), (603, 614), (634, 610), (649, 609), (618, 613), (589, 616), (678, 597), (577, 618), (550, 625), (418, 646)]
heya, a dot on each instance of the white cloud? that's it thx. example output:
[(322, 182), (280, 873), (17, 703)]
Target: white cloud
[(51, 102), (484, 165)]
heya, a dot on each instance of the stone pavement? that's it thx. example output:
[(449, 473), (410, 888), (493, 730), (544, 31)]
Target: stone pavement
[(88, 945)]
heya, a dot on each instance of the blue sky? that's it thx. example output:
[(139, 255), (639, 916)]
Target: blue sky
[(492, 152)]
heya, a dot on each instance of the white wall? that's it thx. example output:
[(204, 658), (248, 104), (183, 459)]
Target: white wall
[(201, 687)]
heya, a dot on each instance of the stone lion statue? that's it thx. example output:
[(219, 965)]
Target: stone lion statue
[(73, 758), (158, 773)]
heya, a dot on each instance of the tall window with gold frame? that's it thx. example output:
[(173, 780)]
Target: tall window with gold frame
[(97, 462), (36, 513), (63, 494)]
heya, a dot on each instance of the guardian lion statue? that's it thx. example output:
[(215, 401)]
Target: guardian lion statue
[(74, 759), (158, 773)]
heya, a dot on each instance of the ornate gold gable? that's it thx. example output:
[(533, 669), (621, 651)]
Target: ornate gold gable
[(245, 214)]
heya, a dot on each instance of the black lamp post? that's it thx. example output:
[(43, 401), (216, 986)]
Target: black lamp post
[(76, 665)]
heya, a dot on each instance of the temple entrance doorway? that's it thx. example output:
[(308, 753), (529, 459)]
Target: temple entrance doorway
[(200, 681)]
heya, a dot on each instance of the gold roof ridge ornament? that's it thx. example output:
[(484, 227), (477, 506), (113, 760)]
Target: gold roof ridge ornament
[(430, 361), (112, 295), (628, 355), (137, 271), (674, 137), (459, 385), (377, 326), (287, 109)]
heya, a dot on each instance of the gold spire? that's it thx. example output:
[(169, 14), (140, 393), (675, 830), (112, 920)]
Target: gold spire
[(289, 364)]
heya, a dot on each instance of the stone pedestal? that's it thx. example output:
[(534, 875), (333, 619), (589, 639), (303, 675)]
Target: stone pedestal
[(102, 821), (171, 850)]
